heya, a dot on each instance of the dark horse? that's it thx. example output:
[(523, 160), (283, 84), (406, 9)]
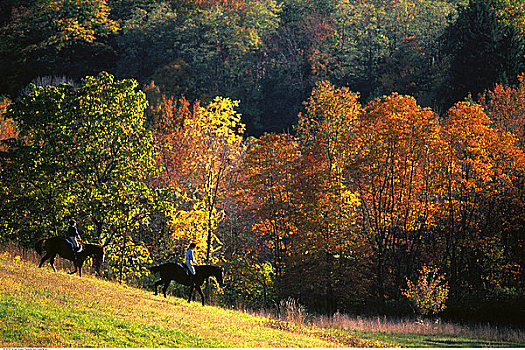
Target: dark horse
[(58, 245), (177, 273)]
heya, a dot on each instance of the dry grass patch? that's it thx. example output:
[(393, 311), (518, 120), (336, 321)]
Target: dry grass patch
[(43, 308), (483, 332)]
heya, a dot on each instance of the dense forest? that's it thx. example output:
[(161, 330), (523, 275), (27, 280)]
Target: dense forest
[(340, 152)]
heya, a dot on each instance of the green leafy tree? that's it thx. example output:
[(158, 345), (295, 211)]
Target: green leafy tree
[(250, 283), (389, 46), (483, 49), (149, 41), (83, 152)]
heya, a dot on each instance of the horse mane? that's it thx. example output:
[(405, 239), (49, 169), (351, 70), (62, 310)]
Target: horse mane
[(93, 244), (209, 268), (93, 247), (215, 267)]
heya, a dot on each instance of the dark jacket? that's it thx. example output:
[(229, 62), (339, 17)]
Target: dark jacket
[(73, 232)]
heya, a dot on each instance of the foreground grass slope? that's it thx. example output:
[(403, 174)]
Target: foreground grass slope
[(40, 308)]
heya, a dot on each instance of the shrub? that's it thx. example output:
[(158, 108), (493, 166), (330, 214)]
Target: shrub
[(429, 293)]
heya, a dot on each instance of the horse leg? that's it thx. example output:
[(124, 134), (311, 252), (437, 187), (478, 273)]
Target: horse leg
[(191, 292), (166, 285), (52, 262), (79, 264), (157, 284), (201, 294), (43, 260), (72, 272)]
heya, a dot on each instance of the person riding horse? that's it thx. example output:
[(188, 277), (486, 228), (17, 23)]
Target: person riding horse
[(73, 237), (190, 260)]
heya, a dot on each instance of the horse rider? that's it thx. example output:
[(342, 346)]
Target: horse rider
[(190, 260), (73, 237)]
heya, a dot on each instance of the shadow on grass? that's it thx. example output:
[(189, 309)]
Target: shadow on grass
[(436, 341), (468, 343)]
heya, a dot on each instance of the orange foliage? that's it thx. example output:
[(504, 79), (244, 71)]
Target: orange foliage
[(483, 167), (396, 177), (7, 127), (505, 106), (173, 147), (264, 190)]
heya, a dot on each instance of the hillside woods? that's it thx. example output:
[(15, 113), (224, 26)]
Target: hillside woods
[(357, 156), (39, 308)]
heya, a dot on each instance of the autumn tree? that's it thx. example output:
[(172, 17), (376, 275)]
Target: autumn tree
[(396, 176), (429, 292), (7, 128), (504, 107), (198, 148), (63, 37), (263, 193), (328, 248), (482, 171)]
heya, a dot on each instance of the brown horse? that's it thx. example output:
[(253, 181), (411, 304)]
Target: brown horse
[(58, 245), (177, 273)]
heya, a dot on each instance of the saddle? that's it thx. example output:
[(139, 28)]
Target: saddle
[(77, 247)]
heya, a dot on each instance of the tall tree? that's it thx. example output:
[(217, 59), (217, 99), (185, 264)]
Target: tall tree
[(482, 166), (328, 242), (83, 152), (505, 107), (63, 37), (396, 178), (199, 146), (264, 196), (483, 50)]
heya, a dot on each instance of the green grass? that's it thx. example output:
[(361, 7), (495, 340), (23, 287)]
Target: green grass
[(431, 340), (40, 308), (45, 324)]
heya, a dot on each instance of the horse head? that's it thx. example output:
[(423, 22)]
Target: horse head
[(97, 251), (219, 275)]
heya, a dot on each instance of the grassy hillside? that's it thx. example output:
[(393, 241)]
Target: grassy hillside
[(40, 308)]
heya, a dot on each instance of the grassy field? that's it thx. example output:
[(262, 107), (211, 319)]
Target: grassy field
[(416, 333), (434, 340), (40, 308)]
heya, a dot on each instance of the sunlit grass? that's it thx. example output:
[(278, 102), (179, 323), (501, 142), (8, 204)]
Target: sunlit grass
[(40, 308)]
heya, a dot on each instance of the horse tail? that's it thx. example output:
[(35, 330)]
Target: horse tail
[(155, 269), (39, 245)]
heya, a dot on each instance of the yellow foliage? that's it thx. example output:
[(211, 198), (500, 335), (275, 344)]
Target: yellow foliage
[(429, 293)]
